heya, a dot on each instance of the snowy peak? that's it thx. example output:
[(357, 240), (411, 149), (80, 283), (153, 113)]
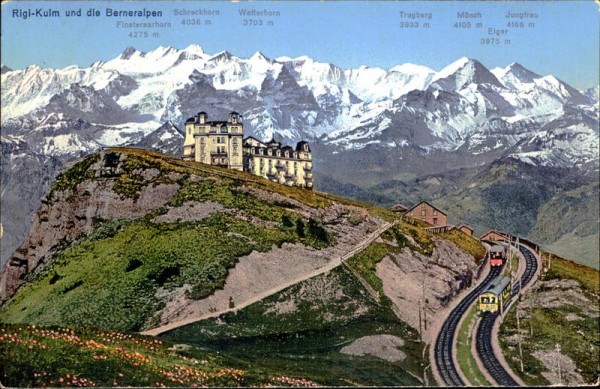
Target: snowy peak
[(516, 76), (259, 57), (561, 90), (592, 94), (128, 53), (521, 73), (194, 49), (452, 68), (462, 73), (409, 68), (4, 69), (220, 57)]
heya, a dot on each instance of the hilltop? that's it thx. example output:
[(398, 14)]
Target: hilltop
[(129, 240), (168, 233)]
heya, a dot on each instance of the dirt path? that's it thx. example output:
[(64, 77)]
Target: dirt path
[(330, 266)]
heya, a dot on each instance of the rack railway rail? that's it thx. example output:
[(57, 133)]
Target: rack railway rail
[(484, 331), (444, 359)]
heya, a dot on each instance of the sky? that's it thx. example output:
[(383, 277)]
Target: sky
[(548, 37)]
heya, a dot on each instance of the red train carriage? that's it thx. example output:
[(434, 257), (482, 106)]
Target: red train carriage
[(497, 255)]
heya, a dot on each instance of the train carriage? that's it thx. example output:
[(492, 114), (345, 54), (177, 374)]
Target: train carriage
[(497, 255), (496, 296)]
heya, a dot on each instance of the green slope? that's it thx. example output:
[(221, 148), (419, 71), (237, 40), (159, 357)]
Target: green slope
[(562, 309), (116, 277), (66, 357), (302, 330), (110, 278)]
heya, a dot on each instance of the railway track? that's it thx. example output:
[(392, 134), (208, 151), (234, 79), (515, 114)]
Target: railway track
[(484, 331), (444, 359)]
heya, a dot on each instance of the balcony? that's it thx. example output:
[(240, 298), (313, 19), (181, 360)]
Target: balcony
[(289, 176), (219, 162), (280, 166), (308, 176), (218, 154), (307, 168)]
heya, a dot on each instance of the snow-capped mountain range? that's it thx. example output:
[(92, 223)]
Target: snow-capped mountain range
[(462, 105), (462, 115)]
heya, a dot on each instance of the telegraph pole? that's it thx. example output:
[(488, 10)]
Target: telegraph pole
[(558, 357), (420, 327), (519, 337)]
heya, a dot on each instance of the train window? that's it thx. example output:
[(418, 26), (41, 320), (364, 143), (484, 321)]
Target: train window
[(484, 300), (493, 300)]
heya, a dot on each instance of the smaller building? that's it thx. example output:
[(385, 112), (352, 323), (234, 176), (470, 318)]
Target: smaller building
[(494, 236), (466, 229), (282, 164), (399, 208), (428, 213)]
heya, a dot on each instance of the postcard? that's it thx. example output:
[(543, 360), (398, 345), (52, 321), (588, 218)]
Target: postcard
[(299, 193)]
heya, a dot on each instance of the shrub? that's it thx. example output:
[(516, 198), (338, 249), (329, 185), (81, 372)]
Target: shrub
[(316, 230), (55, 277), (133, 264), (286, 221), (163, 275), (300, 228), (72, 286)]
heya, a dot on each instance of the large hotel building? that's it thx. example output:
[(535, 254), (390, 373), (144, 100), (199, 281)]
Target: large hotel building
[(222, 143)]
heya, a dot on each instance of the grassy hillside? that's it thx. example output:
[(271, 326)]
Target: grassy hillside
[(184, 227), (303, 329), (66, 357), (110, 278), (560, 312)]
